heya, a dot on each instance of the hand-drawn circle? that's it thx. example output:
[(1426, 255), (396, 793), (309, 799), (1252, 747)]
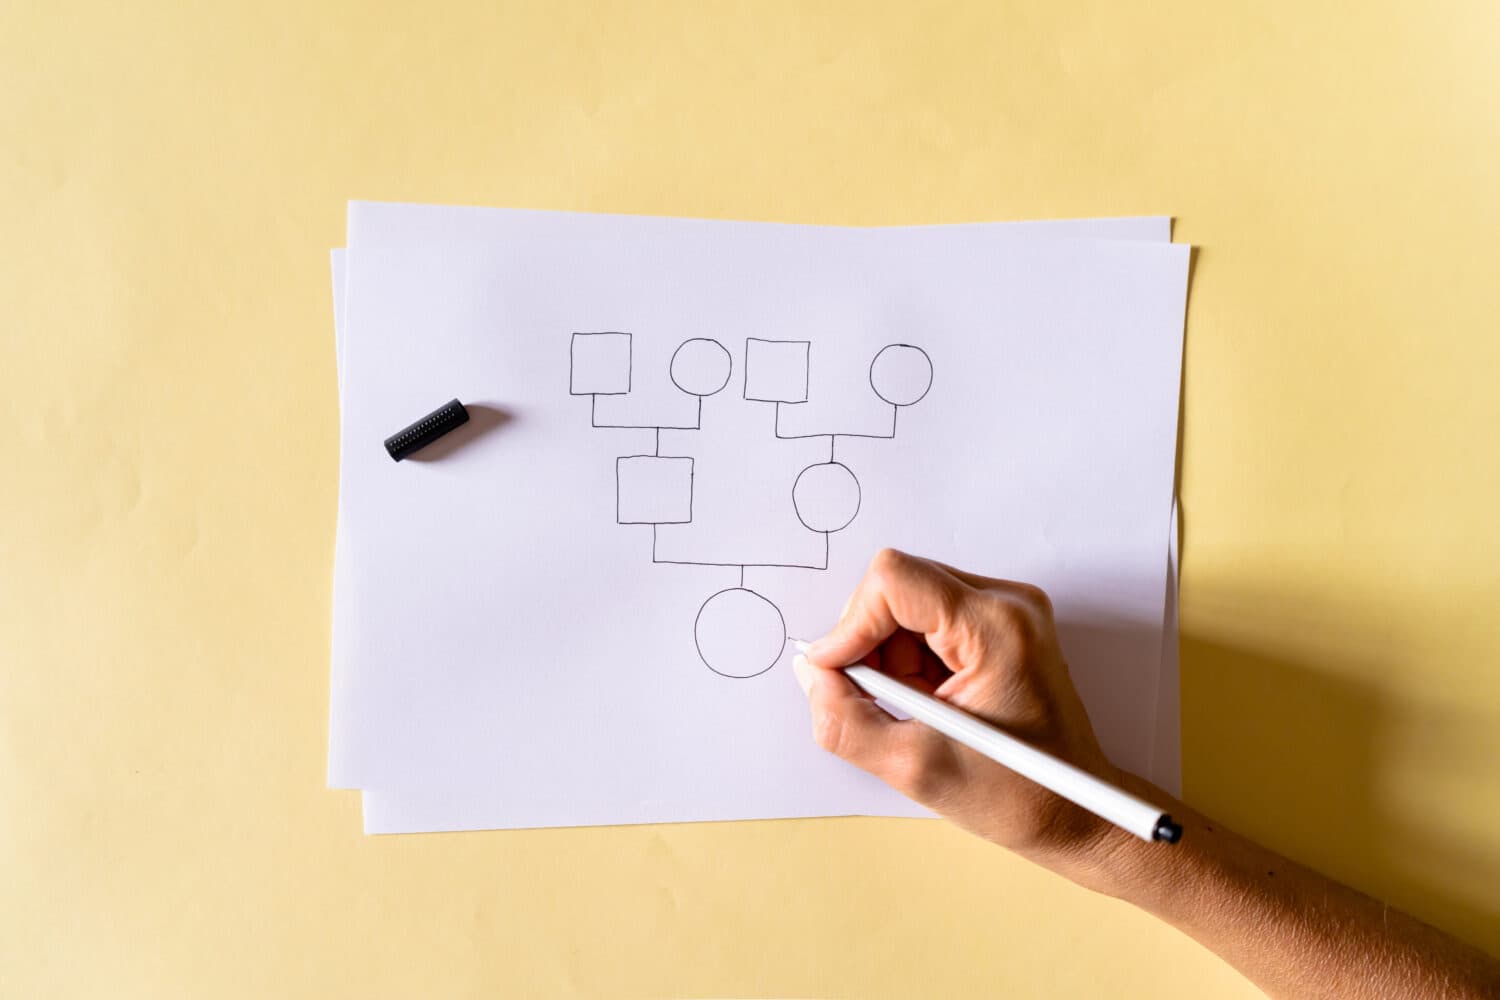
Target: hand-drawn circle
[(901, 374), (826, 496), (700, 367), (739, 633)]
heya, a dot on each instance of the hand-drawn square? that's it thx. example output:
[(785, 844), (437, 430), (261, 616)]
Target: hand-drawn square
[(776, 370), (599, 364), (653, 489)]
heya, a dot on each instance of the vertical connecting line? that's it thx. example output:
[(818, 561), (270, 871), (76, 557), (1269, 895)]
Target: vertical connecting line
[(658, 441), (742, 576), (831, 439)]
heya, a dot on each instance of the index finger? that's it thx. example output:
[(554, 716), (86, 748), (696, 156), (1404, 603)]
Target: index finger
[(897, 591)]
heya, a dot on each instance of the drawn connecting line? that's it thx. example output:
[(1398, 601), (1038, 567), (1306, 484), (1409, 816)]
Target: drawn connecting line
[(739, 633)]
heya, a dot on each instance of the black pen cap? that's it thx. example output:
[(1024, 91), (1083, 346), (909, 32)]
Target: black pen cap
[(427, 430)]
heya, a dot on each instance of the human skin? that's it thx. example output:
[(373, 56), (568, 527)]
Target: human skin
[(990, 647)]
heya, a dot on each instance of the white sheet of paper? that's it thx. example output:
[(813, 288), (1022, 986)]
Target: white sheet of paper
[(398, 224), (422, 224), (394, 809), (1166, 754), (465, 747), (379, 223), (398, 811), (467, 808)]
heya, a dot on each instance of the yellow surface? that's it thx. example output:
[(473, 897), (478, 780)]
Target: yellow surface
[(172, 176)]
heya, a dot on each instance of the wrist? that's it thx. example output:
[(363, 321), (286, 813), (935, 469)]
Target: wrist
[(1114, 862)]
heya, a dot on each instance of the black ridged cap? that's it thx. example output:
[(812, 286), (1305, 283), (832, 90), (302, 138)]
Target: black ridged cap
[(1167, 830), (427, 430)]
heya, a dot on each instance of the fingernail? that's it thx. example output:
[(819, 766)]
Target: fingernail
[(802, 647), (804, 672)]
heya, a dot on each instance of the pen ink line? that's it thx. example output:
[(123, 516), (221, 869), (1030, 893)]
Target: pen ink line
[(742, 566), (848, 434), (594, 419)]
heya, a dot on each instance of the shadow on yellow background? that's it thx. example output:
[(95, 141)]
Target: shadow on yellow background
[(1302, 756)]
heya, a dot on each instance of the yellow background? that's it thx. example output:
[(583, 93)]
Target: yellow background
[(171, 177)]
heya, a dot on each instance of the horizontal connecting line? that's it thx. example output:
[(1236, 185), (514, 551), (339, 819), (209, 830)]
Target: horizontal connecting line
[(594, 420), (742, 565), (837, 434)]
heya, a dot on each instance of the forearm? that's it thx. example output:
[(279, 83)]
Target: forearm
[(1291, 931), (990, 648)]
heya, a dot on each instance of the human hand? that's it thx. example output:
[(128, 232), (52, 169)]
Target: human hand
[(989, 647)]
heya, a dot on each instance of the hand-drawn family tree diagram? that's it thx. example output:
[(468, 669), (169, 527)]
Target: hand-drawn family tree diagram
[(739, 632)]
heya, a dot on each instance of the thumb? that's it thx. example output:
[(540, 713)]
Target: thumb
[(845, 722)]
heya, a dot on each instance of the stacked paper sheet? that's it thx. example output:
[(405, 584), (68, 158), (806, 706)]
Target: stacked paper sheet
[(689, 437)]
